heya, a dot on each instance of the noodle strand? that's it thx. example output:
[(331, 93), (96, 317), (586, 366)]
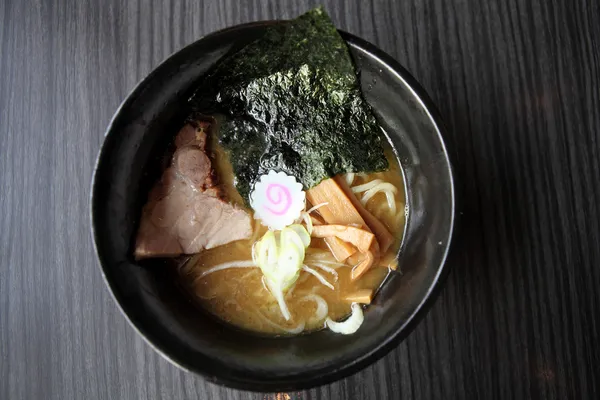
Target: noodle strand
[(227, 265), (318, 276)]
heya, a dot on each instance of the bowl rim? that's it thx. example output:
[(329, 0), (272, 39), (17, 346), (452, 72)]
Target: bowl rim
[(378, 351)]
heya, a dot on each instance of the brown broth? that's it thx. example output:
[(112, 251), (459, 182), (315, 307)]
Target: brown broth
[(238, 295)]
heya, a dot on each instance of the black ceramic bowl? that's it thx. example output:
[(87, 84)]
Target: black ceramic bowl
[(164, 316)]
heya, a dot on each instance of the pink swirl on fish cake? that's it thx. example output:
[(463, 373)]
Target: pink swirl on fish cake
[(277, 199), (283, 196)]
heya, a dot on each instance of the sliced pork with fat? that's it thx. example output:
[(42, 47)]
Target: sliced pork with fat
[(186, 211)]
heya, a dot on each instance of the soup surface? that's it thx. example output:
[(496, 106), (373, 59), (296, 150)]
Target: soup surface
[(289, 114), (239, 296)]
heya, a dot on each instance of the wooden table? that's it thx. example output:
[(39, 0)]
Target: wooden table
[(518, 83)]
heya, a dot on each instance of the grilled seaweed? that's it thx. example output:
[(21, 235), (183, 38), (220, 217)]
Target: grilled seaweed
[(292, 103)]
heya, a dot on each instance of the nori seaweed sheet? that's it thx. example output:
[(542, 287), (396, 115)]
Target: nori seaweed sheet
[(292, 103)]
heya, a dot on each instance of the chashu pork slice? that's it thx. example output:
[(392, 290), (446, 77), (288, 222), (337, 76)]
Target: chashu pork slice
[(186, 211)]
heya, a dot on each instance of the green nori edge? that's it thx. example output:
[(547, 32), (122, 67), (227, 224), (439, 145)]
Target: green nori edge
[(292, 103)]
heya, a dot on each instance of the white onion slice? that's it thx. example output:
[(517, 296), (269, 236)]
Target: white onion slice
[(325, 268), (290, 291), (227, 265), (318, 276), (278, 294), (319, 262), (322, 258), (301, 232), (294, 331), (317, 207), (349, 178), (322, 307), (350, 325), (308, 221)]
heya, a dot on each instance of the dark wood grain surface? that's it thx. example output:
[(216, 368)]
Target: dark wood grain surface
[(518, 83)]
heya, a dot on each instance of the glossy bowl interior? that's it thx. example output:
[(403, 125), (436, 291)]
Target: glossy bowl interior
[(149, 296)]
